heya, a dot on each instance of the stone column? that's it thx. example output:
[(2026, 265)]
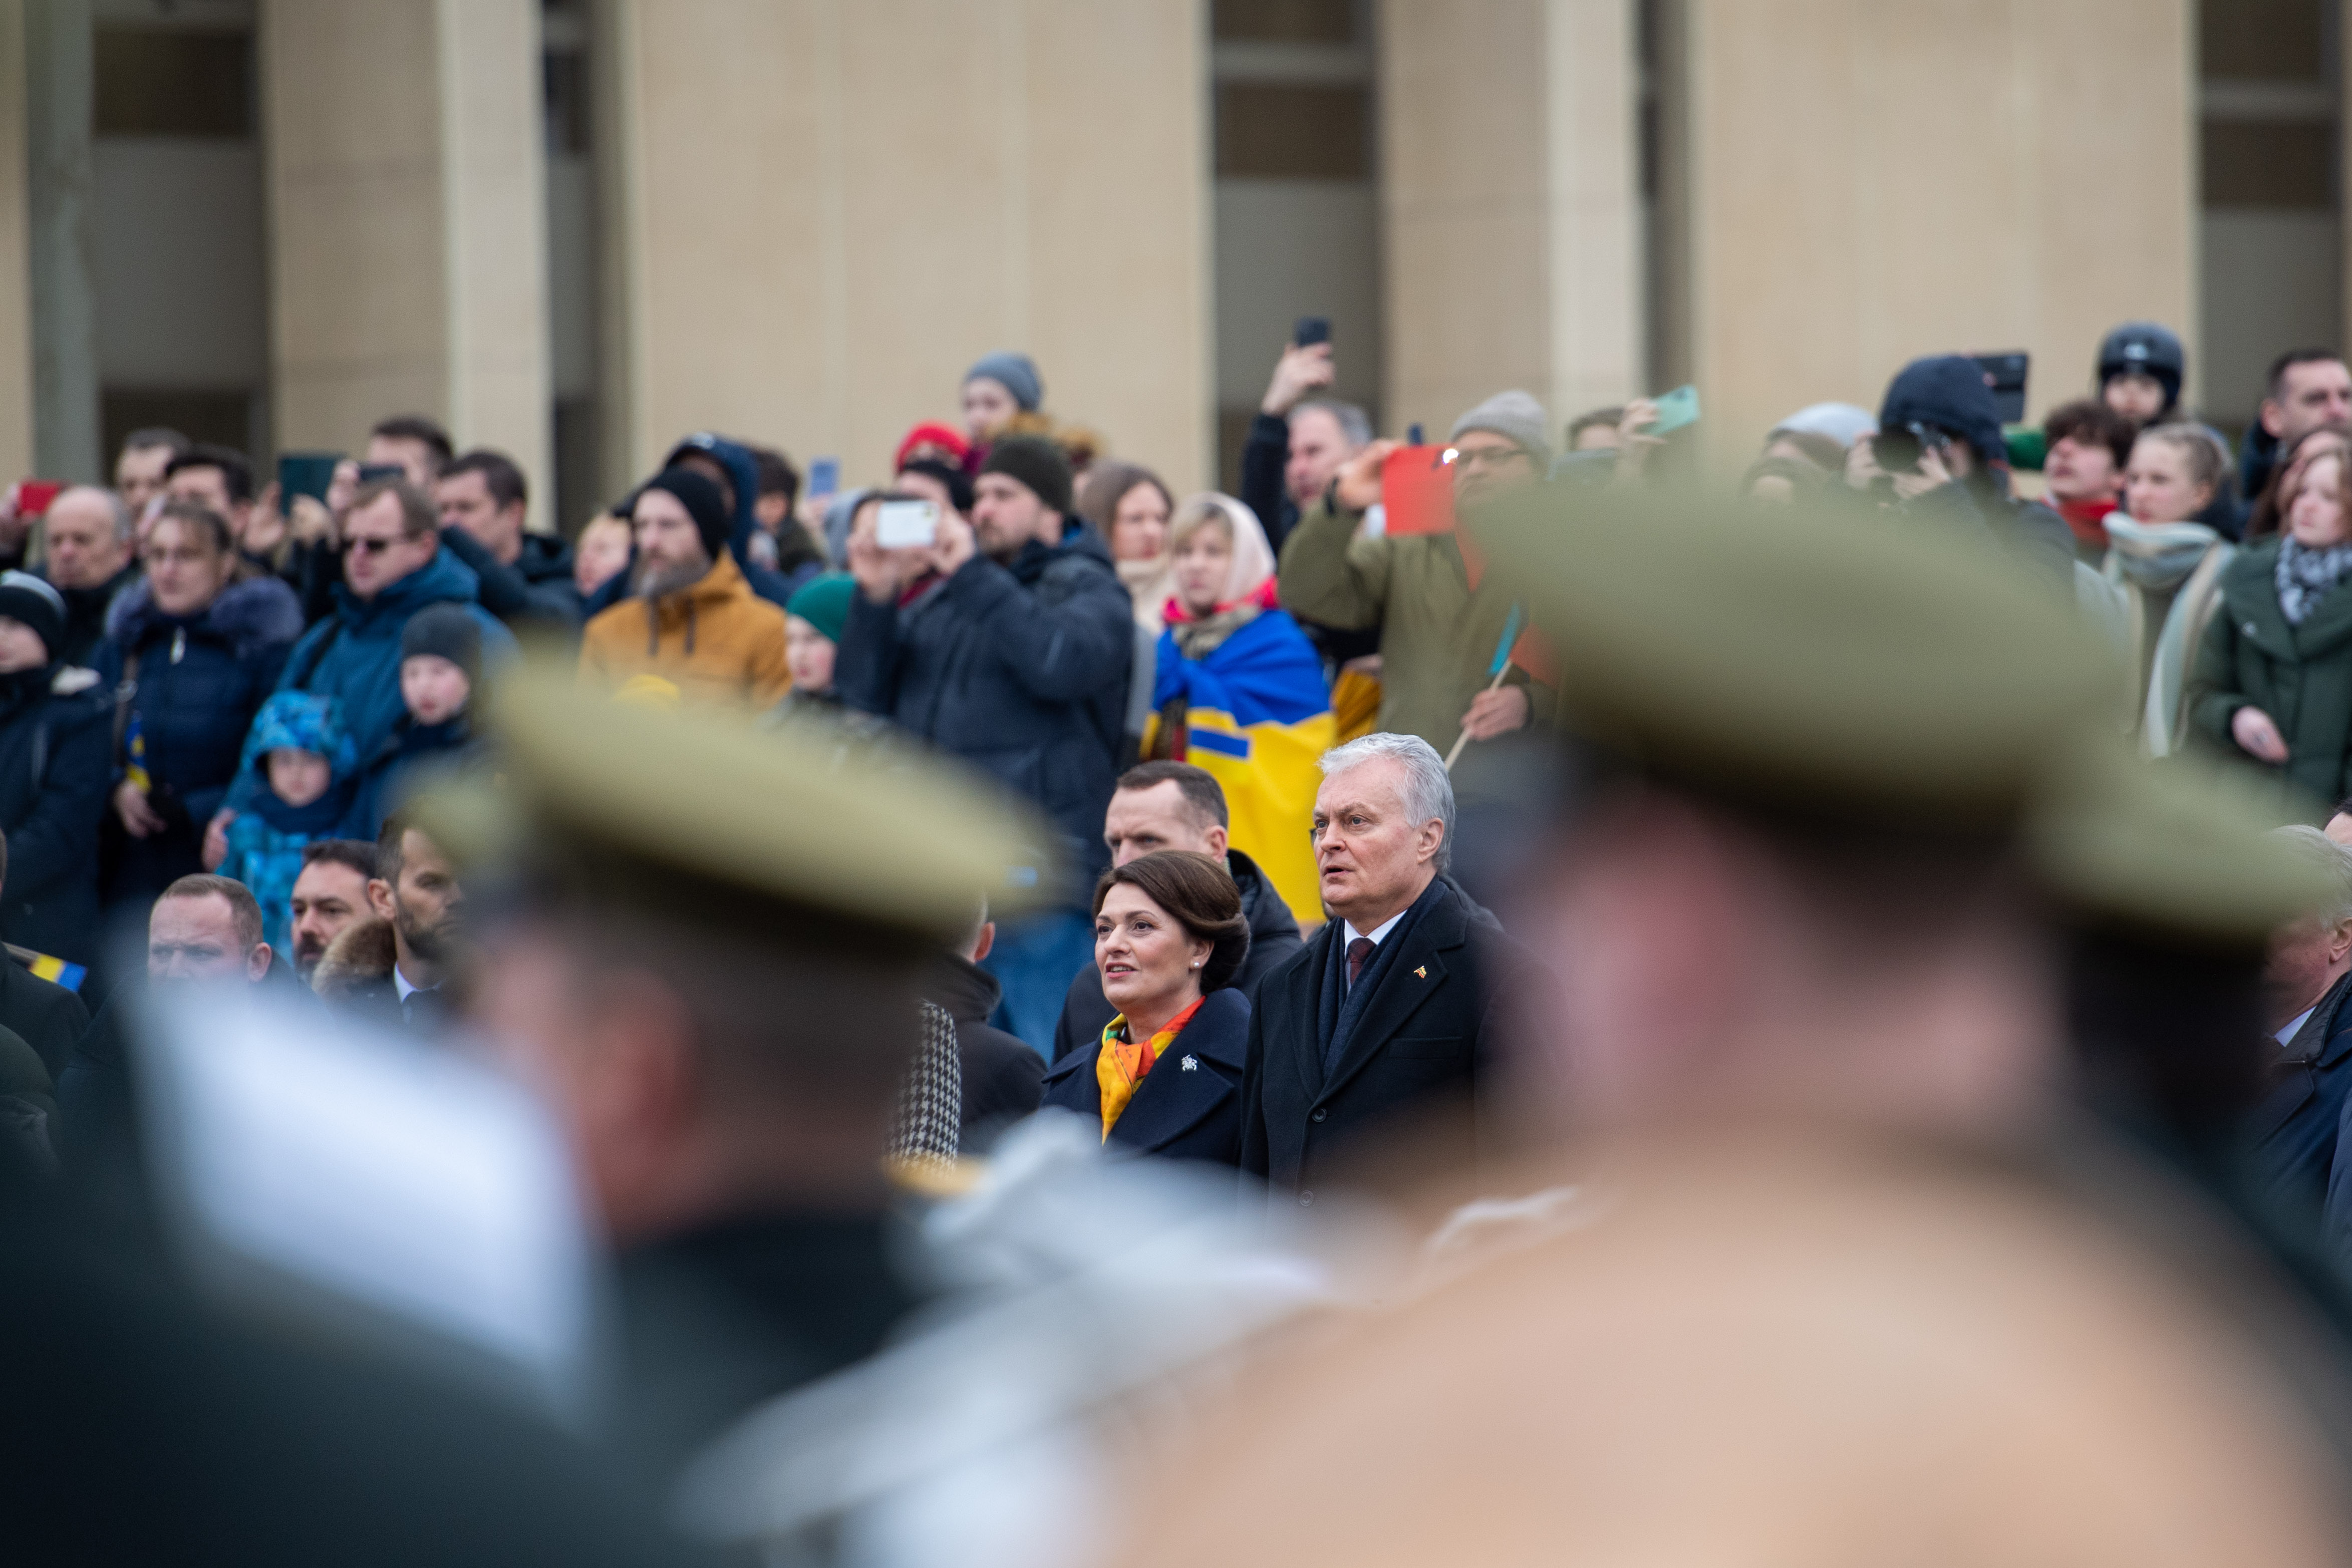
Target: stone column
[(16, 271), (407, 178), (1510, 205)]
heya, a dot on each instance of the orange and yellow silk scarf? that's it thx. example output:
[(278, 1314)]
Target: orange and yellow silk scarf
[(1120, 1068)]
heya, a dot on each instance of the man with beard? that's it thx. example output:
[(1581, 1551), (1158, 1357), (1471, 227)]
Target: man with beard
[(690, 619), (393, 967), (330, 896)]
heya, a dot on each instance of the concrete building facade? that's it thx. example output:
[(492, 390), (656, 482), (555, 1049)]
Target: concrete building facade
[(576, 229)]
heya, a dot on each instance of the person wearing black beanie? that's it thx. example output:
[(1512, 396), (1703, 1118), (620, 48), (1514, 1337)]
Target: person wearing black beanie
[(702, 500), (1036, 463), (691, 621)]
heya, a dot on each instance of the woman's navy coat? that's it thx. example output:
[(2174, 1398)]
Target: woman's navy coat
[(1188, 1106)]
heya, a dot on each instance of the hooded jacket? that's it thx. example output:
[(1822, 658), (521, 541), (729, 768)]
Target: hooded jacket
[(353, 655), (53, 787), (712, 639), (200, 680), (1021, 670)]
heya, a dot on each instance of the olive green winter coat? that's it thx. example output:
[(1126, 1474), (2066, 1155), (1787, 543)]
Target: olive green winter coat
[(2300, 675), (1437, 637)]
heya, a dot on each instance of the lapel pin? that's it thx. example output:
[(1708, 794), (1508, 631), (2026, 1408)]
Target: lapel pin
[(1422, 971), (1191, 1062)]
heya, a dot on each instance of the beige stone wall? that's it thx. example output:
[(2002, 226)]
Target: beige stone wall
[(1508, 205), (827, 209), (1869, 183), (407, 248), (16, 282)]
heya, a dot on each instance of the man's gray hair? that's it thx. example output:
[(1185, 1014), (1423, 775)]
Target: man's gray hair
[(1428, 791), (2329, 857), (1355, 424)]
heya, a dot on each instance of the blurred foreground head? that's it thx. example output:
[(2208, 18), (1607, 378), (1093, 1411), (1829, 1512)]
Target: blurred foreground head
[(703, 945), (1825, 1299), (1798, 757)]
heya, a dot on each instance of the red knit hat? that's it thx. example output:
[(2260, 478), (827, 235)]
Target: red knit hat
[(940, 435)]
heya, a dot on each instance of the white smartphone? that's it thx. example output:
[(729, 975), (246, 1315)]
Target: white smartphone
[(907, 525)]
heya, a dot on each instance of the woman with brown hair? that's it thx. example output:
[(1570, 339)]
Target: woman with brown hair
[(1129, 507), (1165, 1078), (2273, 676)]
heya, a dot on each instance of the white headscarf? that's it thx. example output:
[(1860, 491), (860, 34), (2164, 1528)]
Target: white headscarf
[(1253, 560)]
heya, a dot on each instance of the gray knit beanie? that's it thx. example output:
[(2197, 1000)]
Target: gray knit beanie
[(1016, 373), (1513, 414)]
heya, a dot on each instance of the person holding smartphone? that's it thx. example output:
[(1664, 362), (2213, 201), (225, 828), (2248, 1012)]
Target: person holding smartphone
[(1938, 453)]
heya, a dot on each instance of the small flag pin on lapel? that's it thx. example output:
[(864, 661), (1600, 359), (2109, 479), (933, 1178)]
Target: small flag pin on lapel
[(1422, 971), (1191, 1062)]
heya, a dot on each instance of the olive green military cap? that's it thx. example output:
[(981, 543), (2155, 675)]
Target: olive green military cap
[(2183, 849), (1898, 668), (678, 804)]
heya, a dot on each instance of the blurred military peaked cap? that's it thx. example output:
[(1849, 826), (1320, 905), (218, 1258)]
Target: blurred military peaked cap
[(2182, 850), (1830, 663), (681, 804)]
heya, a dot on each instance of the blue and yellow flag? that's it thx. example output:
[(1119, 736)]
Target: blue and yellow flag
[(1260, 719), (48, 967)]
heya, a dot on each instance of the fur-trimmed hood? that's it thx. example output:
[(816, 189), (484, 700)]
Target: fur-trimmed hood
[(361, 956), (246, 615)]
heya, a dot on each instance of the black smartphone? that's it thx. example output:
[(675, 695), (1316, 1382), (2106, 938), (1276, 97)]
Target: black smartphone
[(1899, 450), (1311, 330), (371, 472), (2005, 373)]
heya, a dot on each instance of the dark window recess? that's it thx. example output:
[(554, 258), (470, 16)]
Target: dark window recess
[(154, 82), (222, 417), (567, 102), (1272, 132), (2262, 40), (578, 457), (2277, 164), (1284, 21)]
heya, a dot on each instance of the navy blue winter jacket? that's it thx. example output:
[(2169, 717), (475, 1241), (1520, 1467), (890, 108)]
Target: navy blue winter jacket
[(200, 680), (54, 735), (354, 653)]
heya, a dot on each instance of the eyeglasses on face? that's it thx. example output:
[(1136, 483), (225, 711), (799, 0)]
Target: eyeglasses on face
[(366, 543)]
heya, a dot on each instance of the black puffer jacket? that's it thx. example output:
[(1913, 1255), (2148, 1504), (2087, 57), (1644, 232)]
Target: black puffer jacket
[(53, 785), (1021, 670)]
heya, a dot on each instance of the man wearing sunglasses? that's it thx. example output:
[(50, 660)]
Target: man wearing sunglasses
[(1939, 454), (393, 566)]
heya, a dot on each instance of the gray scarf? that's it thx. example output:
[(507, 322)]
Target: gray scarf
[(2306, 576), (2155, 555)]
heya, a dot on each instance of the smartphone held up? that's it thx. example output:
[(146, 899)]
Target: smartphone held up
[(907, 525)]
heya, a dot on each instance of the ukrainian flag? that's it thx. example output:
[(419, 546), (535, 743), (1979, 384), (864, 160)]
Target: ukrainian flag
[(1259, 717), (48, 967)]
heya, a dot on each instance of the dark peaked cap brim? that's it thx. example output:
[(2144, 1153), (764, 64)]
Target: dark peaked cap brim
[(1886, 665), (775, 819)]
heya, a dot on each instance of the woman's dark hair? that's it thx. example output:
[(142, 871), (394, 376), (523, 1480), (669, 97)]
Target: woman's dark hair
[(199, 519), (1198, 895), (2269, 512)]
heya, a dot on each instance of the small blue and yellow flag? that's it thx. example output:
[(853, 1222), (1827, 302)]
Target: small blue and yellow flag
[(44, 966)]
